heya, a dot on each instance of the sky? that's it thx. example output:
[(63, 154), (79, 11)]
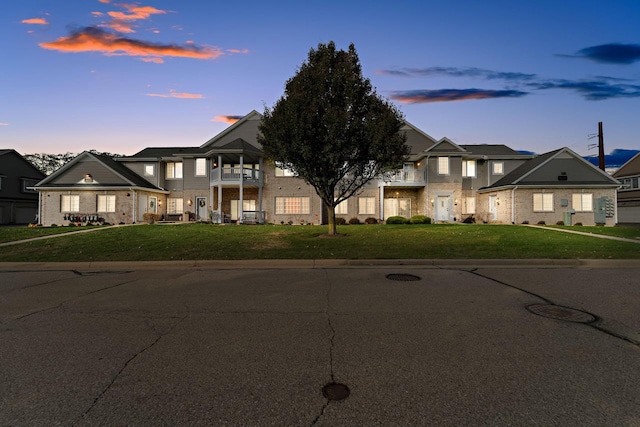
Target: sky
[(121, 76)]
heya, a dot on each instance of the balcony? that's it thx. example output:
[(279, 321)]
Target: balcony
[(411, 178), (235, 175)]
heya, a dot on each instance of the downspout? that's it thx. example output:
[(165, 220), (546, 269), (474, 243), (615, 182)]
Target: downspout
[(39, 219), (513, 204), (427, 185), (133, 200)]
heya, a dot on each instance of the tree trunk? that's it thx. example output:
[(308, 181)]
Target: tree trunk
[(331, 216)]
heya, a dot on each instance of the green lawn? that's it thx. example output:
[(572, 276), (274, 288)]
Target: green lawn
[(12, 233), (203, 241)]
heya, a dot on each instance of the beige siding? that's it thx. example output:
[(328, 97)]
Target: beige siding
[(101, 174)]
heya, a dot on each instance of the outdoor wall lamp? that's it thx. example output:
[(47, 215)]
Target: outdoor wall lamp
[(189, 202), (455, 202), (431, 202)]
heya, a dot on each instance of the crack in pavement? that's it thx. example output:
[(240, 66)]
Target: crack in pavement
[(331, 344), (612, 328), (74, 298), (121, 370)]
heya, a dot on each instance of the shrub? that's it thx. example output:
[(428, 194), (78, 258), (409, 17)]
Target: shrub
[(420, 219), (354, 221), (340, 220), (371, 220), (525, 222), (151, 217), (560, 223), (578, 224), (397, 220), (541, 223)]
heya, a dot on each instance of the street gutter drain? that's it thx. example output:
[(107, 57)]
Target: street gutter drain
[(401, 277), (561, 313), (336, 391)]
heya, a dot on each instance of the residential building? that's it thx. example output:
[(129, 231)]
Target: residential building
[(227, 179), (18, 201), (629, 192)]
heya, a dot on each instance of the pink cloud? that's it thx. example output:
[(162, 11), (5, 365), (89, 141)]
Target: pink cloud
[(174, 94), (226, 119), (119, 26), (238, 50), (105, 1), (135, 12), (93, 39), (97, 14), (35, 21)]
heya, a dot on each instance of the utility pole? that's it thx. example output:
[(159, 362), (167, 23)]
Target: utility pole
[(600, 147)]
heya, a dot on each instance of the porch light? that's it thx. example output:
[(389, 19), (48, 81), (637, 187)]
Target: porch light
[(88, 178), (190, 202)]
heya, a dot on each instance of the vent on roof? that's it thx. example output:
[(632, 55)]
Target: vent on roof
[(562, 176)]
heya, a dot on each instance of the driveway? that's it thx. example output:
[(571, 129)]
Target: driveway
[(254, 344)]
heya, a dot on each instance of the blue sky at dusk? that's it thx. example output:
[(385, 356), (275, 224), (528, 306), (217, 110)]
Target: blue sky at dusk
[(121, 76)]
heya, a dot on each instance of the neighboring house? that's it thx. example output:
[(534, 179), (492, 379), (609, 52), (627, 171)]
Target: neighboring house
[(95, 188), (18, 202), (227, 179), (552, 187), (629, 193)]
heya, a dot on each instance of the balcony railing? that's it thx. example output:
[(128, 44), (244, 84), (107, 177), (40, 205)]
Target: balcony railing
[(236, 174), (406, 177)]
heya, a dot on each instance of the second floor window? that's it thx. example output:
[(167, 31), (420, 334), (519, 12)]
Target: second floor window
[(469, 168), (149, 170), (443, 166), (174, 170), (498, 168), (201, 167)]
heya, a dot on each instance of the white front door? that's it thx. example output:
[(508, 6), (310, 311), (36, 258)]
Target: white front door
[(201, 208), (493, 207), (142, 206), (442, 208)]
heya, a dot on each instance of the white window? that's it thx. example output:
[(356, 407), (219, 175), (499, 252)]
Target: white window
[(247, 206), (70, 203), (469, 205), (582, 202), (174, 170), (443, 166), (367, 205), (469, 168), (498, 168), (150, 170), (543, 202), (292, 205), (175, 205), (106, 203), (342, 207), (201, 167), (284, 172), (397, 207)]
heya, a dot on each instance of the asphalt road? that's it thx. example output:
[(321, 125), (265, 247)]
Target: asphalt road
[(254, 344)]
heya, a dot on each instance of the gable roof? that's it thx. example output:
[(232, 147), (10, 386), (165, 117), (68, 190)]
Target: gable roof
[(630, 168), (130, 178), (519, 174), (34, 172), (251, 116), (238, 145)]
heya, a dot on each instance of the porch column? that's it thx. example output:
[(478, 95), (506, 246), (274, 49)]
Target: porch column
[(260, 218), (219, 208), (240, 202), (381, 202)]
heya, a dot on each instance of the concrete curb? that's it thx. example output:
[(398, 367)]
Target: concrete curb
[(321, 264)]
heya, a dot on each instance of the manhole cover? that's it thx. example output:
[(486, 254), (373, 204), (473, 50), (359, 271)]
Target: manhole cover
[(335, 391), (403, 277), (561, 313)]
